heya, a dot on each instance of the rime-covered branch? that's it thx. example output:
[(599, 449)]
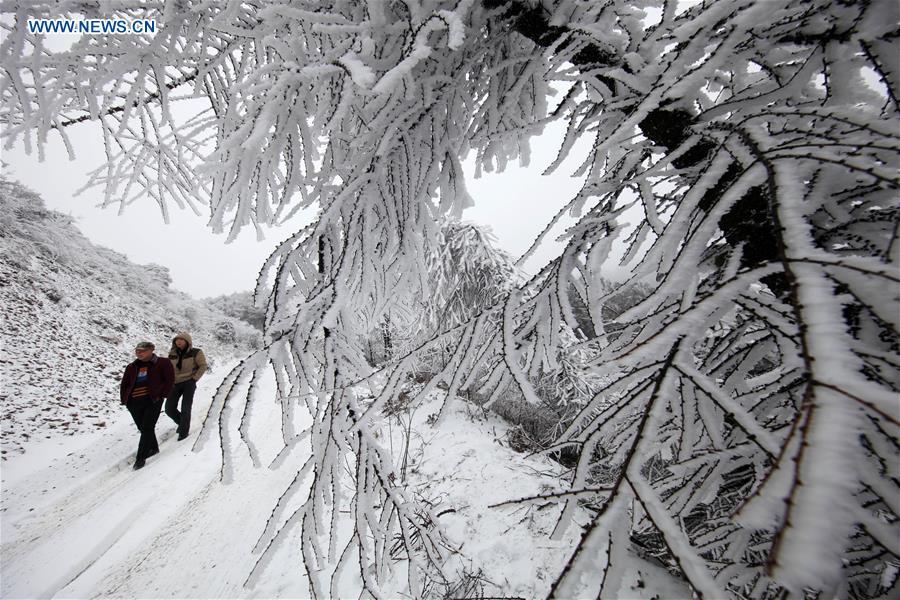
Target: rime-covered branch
[(730, 406)]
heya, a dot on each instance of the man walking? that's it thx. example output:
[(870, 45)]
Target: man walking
[(145, 383), (190, 365)]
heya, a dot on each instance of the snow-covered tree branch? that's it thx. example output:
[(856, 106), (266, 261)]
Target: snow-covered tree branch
[(743, 170)]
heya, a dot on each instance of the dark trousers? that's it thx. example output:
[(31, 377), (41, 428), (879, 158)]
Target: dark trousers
[(185, 392), (145, 414)]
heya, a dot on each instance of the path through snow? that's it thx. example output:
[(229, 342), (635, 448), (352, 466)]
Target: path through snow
[(79, 522)]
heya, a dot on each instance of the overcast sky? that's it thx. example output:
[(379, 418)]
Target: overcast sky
[(515, 204)]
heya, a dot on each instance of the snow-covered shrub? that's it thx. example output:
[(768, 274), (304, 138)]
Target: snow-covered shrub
[(251, 339), (36, 229), (190, 316), (241, 305), (394, 334), (467, 277), (54, 294), (468, 274), (224, 332), (157, 277), (572, 384)]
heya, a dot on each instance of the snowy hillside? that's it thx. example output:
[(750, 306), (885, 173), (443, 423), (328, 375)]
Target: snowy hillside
[(72, 313)]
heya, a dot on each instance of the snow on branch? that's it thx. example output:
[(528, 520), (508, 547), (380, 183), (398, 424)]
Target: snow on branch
[(730, 408)]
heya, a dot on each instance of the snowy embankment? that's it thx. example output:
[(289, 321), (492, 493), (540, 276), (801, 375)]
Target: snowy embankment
[(70, 315), (77, 521)]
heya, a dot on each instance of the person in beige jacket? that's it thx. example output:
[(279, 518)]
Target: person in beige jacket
[(190, 365)]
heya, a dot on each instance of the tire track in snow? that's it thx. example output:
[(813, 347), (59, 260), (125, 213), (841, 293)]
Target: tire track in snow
[(205, 548), (126, 559), (45, 516), (61, 536), (92, 553), (72, 538)]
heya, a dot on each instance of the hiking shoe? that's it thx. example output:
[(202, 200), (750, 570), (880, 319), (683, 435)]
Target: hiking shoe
[(153, 453), (182, 436), (139, 464)]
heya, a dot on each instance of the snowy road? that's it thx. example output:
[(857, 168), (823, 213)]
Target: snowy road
[(79, 522)]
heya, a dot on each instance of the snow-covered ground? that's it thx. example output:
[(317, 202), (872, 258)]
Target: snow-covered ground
[(78, 522)]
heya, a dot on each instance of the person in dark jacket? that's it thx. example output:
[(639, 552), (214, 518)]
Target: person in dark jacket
[(190, 365), (145, 383)]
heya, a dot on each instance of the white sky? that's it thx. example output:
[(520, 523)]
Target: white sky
[(515, 204)]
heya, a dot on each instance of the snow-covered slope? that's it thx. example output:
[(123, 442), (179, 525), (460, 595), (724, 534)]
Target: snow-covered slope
[(70, 314)]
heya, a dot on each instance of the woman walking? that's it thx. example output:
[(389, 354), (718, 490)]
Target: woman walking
[(190, 365)]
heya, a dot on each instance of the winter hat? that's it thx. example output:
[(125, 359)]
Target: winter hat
[(145, 346)]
